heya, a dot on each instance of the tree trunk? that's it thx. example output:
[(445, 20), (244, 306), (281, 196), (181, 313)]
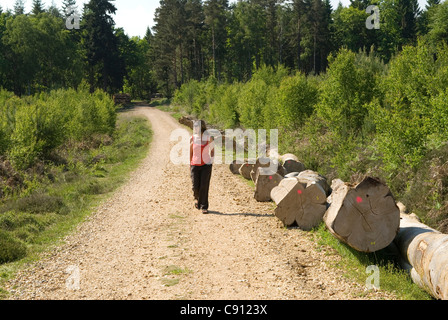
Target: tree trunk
[(235, 167), (364, 216), (300, 200), (246, 169), (263, 162), (425, 254), (291, 163), (265, 181)]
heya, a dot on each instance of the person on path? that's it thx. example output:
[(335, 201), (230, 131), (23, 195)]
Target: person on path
[(201, 159)]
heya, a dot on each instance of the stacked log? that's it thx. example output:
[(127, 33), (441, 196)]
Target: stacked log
[(235, 166), (300, 200), (186, 121), (425, 254), (291, 163), (364, 216), (246, 169), (265, 181), (122, 98), (262, 162)]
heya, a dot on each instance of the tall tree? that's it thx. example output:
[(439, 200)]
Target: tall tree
[(425, 16), (215, 20), (438, 23), (68, 7), (38, 7), (101, 46), (19, 7), (410, 12)]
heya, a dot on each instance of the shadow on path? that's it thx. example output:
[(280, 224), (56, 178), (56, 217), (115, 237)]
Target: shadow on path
[(241, 214)]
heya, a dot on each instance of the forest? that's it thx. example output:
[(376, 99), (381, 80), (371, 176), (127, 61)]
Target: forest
[(347, 99)]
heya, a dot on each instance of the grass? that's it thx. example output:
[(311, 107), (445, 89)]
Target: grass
[(354, 263), (33, 222)]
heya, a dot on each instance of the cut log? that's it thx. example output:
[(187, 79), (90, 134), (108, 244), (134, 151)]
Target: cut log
[(281, 170), (299, 202), (426, 251), (246, 169), (309, 176), (288, 156), (364, 216), (291, 163), (263, 162), (186, 121), (291, 175), (235, 167), (266, 180)]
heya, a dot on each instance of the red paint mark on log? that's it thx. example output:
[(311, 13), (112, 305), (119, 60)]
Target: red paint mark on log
[(358, 199), (299, 191), (270, 177)]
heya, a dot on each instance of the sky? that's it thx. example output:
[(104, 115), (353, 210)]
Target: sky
[(134, 16)]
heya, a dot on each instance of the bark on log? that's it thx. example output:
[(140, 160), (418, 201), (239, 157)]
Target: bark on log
[(299, 201), (246, 169), (425, 250), (261, 163), (291, 163), (266, 180), (187, 121), (234, 167), (309, 176), (364, 216)]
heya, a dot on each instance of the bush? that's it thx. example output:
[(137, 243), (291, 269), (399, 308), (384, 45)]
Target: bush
[(31, 127), (349, 85), (223, 111), (251, 102), (296, 98), (10, 248)]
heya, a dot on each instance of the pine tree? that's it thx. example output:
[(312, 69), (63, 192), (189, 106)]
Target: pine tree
[(410, 11), (101, 46), (19, 7), (215, 20), (68, 7), (54, 10), (38, 7)]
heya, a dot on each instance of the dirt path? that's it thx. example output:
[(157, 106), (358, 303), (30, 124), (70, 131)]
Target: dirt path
[(148, 242)]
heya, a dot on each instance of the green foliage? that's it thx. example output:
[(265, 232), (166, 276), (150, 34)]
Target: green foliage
[(251, 102), (295, 101), (31, 127), (223, 111), (10, 248), (348, 87), (410, 119)]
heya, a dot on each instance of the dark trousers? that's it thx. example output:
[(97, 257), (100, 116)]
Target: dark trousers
[(200, 177)]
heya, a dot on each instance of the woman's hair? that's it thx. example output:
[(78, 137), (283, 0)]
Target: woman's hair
[(201, 123), (203, 126)]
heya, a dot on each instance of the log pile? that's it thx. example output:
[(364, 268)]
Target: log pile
[(265, 181), (425, 254), (122, 98), (186, 121), (364, 216), (301, 200)]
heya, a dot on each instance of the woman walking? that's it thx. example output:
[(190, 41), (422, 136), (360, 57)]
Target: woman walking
[(201, 159)]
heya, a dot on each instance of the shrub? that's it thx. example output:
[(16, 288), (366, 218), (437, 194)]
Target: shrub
[(10, 248), (296, 98)]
